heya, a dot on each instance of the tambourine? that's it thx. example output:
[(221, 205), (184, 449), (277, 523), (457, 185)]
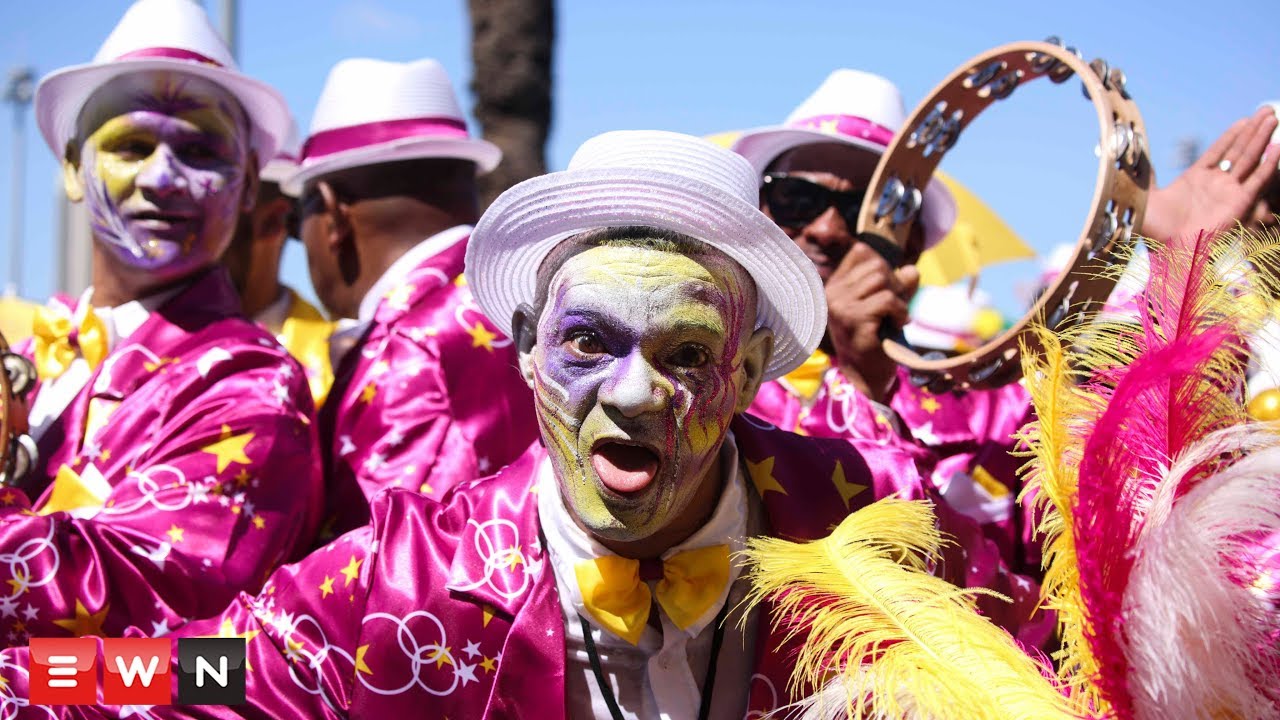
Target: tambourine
[(1119, 198), (18, 452)]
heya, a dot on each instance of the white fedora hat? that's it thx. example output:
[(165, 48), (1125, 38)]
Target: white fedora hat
[(173, 35), (855, 108), (285, 163), (658, 179), (373, 111)]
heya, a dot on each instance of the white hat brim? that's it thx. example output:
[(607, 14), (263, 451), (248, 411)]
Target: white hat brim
[(526, 222), (60, 97), (483, 153), (764, 145)]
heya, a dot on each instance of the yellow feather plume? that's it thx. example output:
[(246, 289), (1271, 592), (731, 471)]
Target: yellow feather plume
[(902, 643), (1050, 479)]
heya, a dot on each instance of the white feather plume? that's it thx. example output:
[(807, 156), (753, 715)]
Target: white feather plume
[(1201, 637)]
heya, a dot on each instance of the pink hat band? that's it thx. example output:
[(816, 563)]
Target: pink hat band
[(170, 53), (847, 125), (329, 142)]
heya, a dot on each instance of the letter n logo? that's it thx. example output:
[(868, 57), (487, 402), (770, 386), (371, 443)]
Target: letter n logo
[(211, 671)]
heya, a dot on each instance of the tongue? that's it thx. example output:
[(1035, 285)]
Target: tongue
[(624, 468)]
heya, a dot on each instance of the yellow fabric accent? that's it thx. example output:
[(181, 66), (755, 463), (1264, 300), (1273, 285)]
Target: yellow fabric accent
[(305, 334), (72, 492), (807, 379), (988, 482), (16, 317), (979, 238), (51, 331), (614, 595)]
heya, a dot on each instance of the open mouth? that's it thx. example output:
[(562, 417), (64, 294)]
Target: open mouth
[(624, 468)]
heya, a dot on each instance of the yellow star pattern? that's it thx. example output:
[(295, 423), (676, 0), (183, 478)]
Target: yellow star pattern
[(514, 558), (175, 534), (930, 405), (293, 649), (831, 127), (230, 448), (105, 455), (489, 664), (441, 657), (8, 498), (84, 622), (368, 393), (762, 476), (242, 478), (361, 666), (848, 490), (352, 570), (259, 522), (18, 582), (481, 337), (326, 587), (228, 630), (487, 612)]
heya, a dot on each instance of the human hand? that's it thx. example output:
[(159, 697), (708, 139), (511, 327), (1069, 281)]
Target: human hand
[(862, 292), (1221, 187)]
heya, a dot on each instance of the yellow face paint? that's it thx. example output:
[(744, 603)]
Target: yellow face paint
[(163, 167), (637, 371)]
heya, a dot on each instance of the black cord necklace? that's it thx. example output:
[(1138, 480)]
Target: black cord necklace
[(708, 687)]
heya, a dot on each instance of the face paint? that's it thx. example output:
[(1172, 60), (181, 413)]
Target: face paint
[(637, 370), (163, 168)]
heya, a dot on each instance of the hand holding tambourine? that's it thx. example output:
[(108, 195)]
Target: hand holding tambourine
[(17, 450), (1119, 199)]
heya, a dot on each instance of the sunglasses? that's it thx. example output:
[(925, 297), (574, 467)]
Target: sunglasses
[(794, 201), (299, 211)]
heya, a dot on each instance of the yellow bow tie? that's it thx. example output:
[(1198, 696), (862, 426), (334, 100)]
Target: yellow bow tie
[(56, 341), (616, 596)]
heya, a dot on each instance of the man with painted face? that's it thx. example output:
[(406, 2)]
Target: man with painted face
[(596, 575), (253, 259), (426, 394), (177, 456)]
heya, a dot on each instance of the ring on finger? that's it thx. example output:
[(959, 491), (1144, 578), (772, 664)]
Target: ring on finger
[(1224, 165)]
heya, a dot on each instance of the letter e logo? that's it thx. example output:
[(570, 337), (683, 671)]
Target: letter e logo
[(62, 671)]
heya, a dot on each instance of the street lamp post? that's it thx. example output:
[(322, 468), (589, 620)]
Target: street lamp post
[(18, 90)]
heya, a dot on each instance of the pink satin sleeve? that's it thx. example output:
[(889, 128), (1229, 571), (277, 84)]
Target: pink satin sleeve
[(301, 636), (208, 494)]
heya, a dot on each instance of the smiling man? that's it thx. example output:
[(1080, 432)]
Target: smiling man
[(177, 458), (596, 575)]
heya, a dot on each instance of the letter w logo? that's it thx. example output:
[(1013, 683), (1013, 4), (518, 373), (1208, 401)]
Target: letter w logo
[(136, 671)]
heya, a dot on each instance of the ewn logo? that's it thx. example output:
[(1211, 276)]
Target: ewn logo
[(137, 671)]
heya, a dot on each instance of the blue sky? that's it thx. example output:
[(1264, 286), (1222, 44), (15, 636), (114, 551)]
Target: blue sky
[(702, 67)]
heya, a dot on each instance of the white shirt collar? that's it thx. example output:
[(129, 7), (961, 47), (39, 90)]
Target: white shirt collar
[(568, 544), (124, 320), (272, 317), (405, 264)]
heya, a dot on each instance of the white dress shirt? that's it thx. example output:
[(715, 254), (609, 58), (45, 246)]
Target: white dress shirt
[(662, 675), (120, 322)]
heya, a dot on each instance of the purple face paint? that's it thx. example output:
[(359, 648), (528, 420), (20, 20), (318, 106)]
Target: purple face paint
[(637, 371), (163, 167)]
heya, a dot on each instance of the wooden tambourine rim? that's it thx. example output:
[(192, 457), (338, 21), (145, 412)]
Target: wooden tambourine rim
[(1118, 206)]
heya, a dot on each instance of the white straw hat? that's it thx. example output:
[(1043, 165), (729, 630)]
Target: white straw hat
[(373, 111), (173, 35), (855, 108), (658, 179)]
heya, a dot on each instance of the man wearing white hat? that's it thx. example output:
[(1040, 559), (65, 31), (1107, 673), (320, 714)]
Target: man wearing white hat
[(178, 462), (596, 575), (428, 396), (253, 259), (814, 170)]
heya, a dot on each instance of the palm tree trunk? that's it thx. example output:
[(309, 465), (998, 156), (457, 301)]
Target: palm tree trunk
[(511, 47)]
